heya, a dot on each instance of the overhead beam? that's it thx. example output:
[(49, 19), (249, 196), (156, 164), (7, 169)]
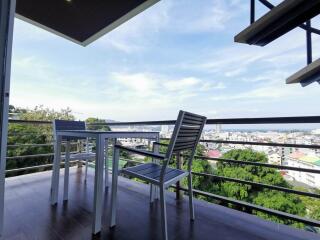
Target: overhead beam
[(7, 10), (278, 21), (307, 75)]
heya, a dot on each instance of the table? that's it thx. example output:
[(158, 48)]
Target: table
[(101, 137)]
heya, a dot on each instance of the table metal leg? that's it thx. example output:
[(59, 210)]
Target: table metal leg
[(115, 166), (156, 192), (106, 170), (66, 172), (56, 171), (98, 185)]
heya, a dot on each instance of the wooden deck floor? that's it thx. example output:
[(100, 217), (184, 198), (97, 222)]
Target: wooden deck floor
[(28, 215)]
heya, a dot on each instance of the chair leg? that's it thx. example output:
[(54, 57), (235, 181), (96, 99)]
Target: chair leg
[(190, 197), (151, 193), (163, 213), (66, 173), (86, 171), (106, 167), (114, 186)]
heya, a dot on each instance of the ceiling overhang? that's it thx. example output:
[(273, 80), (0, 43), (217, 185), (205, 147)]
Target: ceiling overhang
[(81, 21)]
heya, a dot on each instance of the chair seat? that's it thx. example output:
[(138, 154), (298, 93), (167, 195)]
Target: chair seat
[(151, 173), (81, 156)]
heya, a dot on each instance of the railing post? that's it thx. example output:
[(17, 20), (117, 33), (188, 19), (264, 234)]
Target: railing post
[(179, 193)]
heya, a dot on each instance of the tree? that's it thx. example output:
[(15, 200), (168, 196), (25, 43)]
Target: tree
[(312, 204), (198, 166), (22, 134), (267, 198), (101, 124), (40, 113), (280, 201)]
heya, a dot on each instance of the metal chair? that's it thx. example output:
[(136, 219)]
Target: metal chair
[(75, 125), (185, 137)]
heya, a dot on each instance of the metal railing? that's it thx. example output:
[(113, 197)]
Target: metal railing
[(235, 121)]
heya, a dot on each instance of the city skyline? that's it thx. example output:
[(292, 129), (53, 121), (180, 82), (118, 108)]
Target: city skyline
[(156, 64)]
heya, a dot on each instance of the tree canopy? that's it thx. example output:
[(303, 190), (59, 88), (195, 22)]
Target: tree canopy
[(20, 135), (261, 196), (101, 124)]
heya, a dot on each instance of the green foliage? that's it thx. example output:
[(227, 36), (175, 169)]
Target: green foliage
[(101, 124), (271, 199), (247, 172), (32, 134), (312, 204), (41, 113), (283, 202)]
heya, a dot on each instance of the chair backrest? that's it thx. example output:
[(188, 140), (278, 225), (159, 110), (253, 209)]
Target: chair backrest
[(59, 125), (185, 136)]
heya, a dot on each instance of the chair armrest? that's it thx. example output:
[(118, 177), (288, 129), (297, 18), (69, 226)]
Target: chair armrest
[(161, 144), (141, 152)]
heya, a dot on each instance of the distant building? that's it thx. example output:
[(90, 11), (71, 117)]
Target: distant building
[(274, 158), (316, 131), (218, 128), (164, 129), (301, 160), (285, 151), (214, 154)]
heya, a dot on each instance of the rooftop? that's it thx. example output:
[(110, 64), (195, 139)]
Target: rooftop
[(29, 215), (305, 158)]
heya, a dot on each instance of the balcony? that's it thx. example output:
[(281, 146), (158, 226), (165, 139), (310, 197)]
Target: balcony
[(29, 214), (27, 197)]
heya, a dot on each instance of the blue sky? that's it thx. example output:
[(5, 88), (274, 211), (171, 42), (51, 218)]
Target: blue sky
[(179, 54)]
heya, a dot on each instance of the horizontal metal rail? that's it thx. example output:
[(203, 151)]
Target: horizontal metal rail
[(31, 156), (251, 206), (37, 144), (260, 164), (253, 163), (235, 121), (266, 120), (29, 121), (289, 145), (303, 26), (31, 145), (35, 167), (35, 155), (260, 185)]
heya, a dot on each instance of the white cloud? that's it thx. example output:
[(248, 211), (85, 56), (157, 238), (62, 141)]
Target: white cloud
[(141, 83), (24, 31), (209, 16), (171, 16), (238, 59), (135, 35), (181, 84), (213, 18), (268, 91), (121, 94), (150, 84), (176, 55)]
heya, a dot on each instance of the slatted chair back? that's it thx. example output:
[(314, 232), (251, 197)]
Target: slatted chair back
[(59, 125), (185, 137)]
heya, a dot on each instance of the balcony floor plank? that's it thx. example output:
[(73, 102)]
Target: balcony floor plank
[(28, 214)]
